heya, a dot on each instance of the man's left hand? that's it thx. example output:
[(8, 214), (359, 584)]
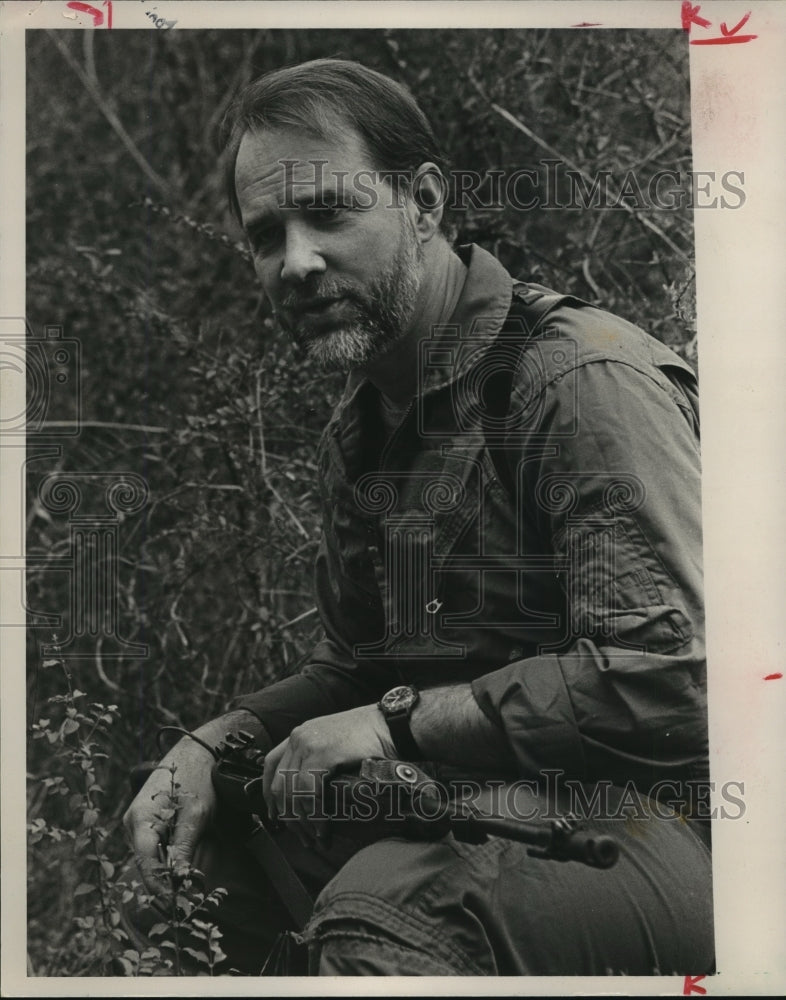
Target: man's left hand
[(294, 770)]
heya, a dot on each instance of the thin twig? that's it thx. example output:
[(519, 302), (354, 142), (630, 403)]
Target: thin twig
[(583, 174), (667, 144), (100, 668), (90, 59), (244, 73), (95, 93), (107, 426), (298, 618), (175, 619), (585, 270), (296, 553), (293, 517), (260, 427)]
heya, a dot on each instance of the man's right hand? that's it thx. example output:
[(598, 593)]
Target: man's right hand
[(159, 836)]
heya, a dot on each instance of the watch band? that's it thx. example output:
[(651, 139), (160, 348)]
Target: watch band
[(396, 707), (401, 734)]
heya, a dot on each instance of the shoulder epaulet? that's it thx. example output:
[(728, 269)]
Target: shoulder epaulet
[(532, 303)]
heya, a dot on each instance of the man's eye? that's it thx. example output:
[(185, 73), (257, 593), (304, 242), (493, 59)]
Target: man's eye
[(327, 213), (262, 239)]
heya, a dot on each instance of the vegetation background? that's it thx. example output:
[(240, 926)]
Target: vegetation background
[(186, 384)]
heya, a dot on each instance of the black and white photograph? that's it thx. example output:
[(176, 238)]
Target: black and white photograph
[(388, 586)]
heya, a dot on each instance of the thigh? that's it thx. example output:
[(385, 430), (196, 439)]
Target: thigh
[(402, 908)]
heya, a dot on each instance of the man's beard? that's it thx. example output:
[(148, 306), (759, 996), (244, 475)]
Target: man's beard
[(374, 320)]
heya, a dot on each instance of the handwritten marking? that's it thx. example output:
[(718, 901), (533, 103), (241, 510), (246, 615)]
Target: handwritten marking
[(587, 24), (690, 985), (88, 8), (773, 677), (94, 12), (160, 22), (736, 28), (728, 36), (690, 15), (733, 40)]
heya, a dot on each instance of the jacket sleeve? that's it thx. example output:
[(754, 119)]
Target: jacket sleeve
[(332, 680), (610, 462)]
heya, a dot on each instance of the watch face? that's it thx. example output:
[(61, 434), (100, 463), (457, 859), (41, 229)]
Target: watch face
[(399, 699)]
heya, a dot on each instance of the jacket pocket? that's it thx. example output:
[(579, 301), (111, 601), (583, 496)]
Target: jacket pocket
[(618, 592)]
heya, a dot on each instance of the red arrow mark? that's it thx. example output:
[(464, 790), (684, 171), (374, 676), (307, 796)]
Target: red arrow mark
[(690, 985)]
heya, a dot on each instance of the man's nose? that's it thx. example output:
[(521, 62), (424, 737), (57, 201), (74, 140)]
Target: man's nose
[(302, 257)]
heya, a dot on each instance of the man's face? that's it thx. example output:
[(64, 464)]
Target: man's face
[(336, 252)]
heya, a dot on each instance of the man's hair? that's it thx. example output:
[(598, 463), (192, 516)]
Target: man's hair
[(321, 95)]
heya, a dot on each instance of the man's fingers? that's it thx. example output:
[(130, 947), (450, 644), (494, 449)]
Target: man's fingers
[(144, 836), (149, 857), (272, 761), (152, 872), (301, 796), (163, 836), (179, 859), (191, 821), (293, 787), (158, 860), (145, 840)]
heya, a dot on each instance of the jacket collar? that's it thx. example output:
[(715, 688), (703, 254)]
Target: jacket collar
[(477, 319)]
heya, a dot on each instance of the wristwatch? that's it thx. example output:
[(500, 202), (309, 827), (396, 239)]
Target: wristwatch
[(396, 706)]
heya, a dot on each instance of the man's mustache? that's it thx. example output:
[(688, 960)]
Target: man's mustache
[(300, 299)]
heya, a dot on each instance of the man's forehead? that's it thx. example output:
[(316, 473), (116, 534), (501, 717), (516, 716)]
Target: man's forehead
[(284, 167), (286, 150)]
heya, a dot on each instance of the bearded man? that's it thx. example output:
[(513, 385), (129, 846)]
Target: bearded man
[(509, 577)]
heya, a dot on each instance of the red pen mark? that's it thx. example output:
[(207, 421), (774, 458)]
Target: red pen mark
[(736, 28), (108, 4), (773, 677), (690, 985), (690, 15), (725, 40), (587, 24), (728, 36), (88, 8)]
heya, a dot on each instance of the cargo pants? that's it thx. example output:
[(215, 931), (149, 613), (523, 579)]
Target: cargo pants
[(400, 907)]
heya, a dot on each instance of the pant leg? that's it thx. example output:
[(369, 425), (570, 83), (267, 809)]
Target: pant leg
[(447, 908)]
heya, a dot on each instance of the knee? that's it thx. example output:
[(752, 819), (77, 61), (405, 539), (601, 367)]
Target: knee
[(358, 955)]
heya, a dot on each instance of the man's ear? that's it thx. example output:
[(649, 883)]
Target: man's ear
[(429, 193)]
